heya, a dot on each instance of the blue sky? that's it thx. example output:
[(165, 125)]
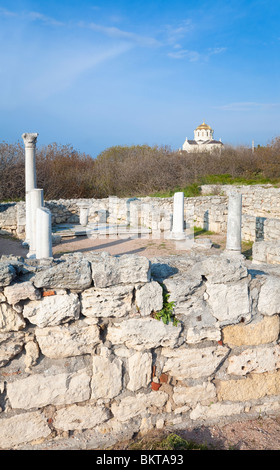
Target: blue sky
[(99, 73)]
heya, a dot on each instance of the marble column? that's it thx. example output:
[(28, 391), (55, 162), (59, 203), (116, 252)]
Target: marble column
[(234, 220), (29, 140), (84, 212), (178, 217), (36, 201), (43, 233)]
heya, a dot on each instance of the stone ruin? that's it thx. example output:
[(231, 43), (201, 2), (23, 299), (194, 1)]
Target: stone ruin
[(87, 357)]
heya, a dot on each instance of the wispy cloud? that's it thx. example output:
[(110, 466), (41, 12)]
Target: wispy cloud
[(36, 16), (115, 32), (192, 56), (5, 12), (67, 69), (31, 15), (246, 106), (175, 33)]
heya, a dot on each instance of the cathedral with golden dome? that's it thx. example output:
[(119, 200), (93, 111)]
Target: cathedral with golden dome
[(203, 140)]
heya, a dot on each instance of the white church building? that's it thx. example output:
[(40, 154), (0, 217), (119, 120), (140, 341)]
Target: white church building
[(203, 140)]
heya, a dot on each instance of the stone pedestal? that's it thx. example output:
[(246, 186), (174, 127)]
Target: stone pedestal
[(84, 211), (178, 217), (29, 140), (43, 233), (233, 244)]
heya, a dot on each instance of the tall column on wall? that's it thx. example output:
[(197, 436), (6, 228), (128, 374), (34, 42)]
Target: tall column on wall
[(29, 140), (234, 223)]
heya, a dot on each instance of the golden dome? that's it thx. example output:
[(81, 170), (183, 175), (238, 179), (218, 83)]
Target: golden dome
[(204, 126)]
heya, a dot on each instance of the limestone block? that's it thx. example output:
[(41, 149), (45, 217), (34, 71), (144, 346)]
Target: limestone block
[(265, 330), (199, 323), (71, 274), (258, 360), (140, 370), (32, 354), (106, 378), (113, 301), (7, 274), (21, 291), (216, 411), (259, 251), (181, 286), (228, 301), (80, 417), (149, 298), (196, 335), (125, 269), (64, 341), (40, 390), (23, 428), (144, 333), (10, 320), (130, 407), (11, 344), (53, 310), (252, 387), (220, 269), (204, 393), (269, 298), (193, 363)]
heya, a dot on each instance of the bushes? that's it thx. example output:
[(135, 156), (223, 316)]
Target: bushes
[(128, 171)]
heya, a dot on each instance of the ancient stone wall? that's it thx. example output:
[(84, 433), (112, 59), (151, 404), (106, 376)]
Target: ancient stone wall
[(84, 361), (260, 212)]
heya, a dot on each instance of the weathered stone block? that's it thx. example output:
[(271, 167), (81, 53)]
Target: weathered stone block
[(130, 407), (149, 298), (23, 428), (114, 301), (269, 298), (193, 363), (140, 370), (228, 301), (7, 274), (253, 387), (51, 311), (106, 377), (40, 390), (181, 286), (74, 274), (10, 320), (204, 393), (216, 411), (262, 359), (11, 344), (21, 291), (265, 330), (77, 417), (144, 333), (125, 269), (64, 341), (220, 269)]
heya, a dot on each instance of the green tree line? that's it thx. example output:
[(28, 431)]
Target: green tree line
[(138, 170)]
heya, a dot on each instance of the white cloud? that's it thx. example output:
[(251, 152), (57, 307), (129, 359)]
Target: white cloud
[(175, 33), (246, 106), (34, 15), (115, 32), (192, 56)]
